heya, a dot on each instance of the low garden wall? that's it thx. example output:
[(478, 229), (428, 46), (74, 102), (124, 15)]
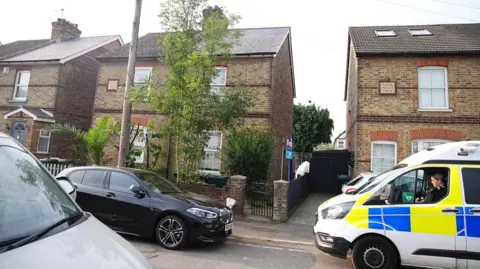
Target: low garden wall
[(209, 190)]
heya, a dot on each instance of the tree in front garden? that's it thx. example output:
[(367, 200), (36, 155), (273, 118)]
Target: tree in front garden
[(197, 38), (90, 147), (311, 126)]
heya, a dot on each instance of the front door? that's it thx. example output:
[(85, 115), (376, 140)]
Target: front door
[(131, 214), (19, 131), (424, 233), (471, 232)]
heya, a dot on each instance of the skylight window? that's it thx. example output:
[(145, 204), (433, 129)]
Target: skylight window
[(385, 33), (419, 32)]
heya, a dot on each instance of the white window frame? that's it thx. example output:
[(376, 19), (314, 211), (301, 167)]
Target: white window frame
[(420, 32), (382, 142), (429, 140), (446, 107), (140, 144), (206, 149), (143, 83), (17, 84), (40, 136), (385, 33), (222, 85)]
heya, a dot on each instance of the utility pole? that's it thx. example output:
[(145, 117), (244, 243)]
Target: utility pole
[(127, 105)]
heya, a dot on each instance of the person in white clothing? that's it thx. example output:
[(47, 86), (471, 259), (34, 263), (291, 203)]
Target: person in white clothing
[(304, 168)]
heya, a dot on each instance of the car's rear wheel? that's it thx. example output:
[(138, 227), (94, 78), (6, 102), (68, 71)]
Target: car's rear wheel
[(374, 252), (171, 232)]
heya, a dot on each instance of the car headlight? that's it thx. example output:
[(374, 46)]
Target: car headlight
[(202, 213), (337, 211)]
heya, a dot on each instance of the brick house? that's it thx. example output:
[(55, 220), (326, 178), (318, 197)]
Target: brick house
[(408, 88), (262, 59), (50, 81)]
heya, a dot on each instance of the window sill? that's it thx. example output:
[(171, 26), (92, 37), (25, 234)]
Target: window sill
[(434, 110), (210, 172), (40, 152), (17, 100)]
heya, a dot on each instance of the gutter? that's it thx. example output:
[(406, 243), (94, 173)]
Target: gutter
[(39, 62), (151, 58)]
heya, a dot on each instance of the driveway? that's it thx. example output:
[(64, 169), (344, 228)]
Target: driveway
[(305, 214)]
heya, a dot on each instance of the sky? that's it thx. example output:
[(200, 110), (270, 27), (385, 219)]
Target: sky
[(319, 30)]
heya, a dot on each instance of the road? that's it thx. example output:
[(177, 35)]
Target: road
[(239, 254)]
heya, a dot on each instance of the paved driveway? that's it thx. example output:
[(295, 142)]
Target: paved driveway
[(305, 214)]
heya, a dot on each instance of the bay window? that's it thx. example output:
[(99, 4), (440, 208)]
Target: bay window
[(212, 161)]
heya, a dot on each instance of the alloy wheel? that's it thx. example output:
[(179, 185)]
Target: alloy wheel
[(170, 232)]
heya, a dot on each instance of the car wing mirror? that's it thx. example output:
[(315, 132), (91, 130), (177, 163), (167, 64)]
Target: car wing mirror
[(68, 187), (137, 190)]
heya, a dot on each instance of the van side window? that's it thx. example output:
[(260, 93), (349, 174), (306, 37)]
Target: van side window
[(471, 185), (93, 178), (415, 186)]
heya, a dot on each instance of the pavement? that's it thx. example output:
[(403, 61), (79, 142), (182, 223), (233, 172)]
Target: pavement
[(241, 254), (305, 214)]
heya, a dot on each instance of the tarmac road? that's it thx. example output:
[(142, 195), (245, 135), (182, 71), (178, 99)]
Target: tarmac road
[(234, 254)]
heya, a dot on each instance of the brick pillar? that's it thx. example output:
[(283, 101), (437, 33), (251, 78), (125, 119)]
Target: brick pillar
[(280, 200), (236, 190)]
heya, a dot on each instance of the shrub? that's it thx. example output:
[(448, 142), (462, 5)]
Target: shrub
[(248, 152)]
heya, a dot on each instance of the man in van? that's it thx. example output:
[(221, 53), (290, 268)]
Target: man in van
[(437, 192)]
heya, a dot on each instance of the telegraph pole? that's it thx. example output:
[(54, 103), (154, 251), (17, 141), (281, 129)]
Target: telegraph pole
[(127, 105)]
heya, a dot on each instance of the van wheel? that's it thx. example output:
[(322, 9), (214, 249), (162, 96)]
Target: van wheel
[(171, 232), (374, 252)]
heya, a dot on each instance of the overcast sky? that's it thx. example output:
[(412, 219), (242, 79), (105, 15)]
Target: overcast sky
[(319, 29)]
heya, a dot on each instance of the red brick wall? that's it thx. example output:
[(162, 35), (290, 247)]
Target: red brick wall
[(219, 194)]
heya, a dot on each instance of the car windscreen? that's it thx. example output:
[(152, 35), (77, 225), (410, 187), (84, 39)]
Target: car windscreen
[(354, 181), (378, 179), (30, 200), (158, 183)]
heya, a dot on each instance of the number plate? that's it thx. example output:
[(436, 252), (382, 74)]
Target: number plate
[(228, 227)]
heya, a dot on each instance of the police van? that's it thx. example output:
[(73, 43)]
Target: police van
[(386, 223)]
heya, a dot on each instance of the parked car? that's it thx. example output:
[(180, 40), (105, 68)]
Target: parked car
[(42, 226), (358, 181), (142, 203)]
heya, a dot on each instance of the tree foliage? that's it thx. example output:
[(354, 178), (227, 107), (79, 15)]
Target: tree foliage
[(249, 151), (190, 50), (91, 143), (311, 126)]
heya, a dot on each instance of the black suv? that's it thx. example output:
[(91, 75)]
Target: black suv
[(142, 203)]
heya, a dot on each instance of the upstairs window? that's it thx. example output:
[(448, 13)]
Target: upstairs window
[(385, 33), (21, 85), (432, 87), (219, 82), (141, 77)]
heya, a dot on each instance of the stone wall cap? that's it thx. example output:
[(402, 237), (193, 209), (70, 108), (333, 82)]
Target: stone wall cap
[(239, 177), (281, 181)]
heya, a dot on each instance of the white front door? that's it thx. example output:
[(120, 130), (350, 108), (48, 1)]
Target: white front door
[(471, 190), (423, 233)]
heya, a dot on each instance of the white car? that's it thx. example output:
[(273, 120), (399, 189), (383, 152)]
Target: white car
[(358, 181), (41, 226)]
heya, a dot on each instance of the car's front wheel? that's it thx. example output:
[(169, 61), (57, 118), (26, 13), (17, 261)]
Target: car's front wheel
[(171, 232), (374, 252)]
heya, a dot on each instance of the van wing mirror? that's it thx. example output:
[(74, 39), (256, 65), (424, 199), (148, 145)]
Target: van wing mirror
[(387, 193)]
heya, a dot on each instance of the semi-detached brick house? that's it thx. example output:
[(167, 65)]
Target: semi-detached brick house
[(50, 81), (262, 60), (410, 87)]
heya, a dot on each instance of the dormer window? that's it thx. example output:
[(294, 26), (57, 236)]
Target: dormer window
[(385, 33), (420, 32)]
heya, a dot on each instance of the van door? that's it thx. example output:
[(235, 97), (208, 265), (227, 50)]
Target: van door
[(471, 216), (422, 232)]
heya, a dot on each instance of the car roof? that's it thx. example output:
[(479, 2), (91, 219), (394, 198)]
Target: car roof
[(106, 168)]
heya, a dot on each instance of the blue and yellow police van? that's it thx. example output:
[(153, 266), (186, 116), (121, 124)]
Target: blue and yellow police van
[(389, 222)]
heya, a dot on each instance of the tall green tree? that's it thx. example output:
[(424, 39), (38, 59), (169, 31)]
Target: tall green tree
[(312, 125), (197, 38), (91, 143)]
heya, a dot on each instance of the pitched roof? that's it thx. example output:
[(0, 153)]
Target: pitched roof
[(252, 41), (37, 114), (47, 50), (445, 38), (14, 48)]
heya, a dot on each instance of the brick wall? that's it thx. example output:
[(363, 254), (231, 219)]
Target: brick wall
[(282, 105), (219, 194), (397, 117)]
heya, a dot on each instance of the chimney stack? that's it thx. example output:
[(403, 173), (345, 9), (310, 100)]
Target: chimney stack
[(63, 29), (208, 11)]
